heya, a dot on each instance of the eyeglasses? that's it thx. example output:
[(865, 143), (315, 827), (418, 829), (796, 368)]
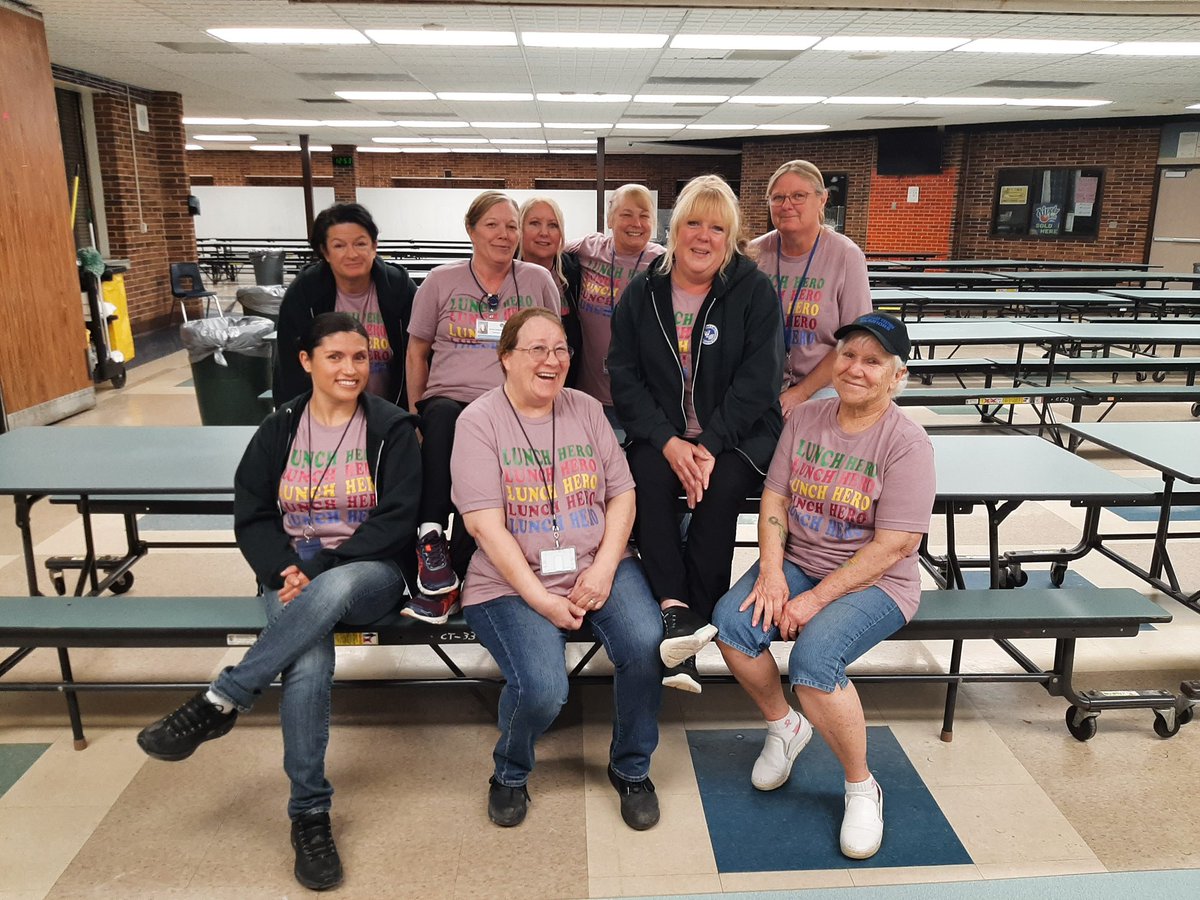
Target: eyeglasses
[(798, 198), (538, 353)]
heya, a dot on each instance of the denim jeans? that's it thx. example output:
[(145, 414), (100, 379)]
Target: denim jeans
[(298, 645), (530, 652), (835, 637)]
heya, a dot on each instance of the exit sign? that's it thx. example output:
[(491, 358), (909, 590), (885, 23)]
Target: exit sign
[(343, 162)]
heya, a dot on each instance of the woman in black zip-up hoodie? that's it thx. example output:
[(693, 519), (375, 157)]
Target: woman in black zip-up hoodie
[(325, 509), (695, 362)]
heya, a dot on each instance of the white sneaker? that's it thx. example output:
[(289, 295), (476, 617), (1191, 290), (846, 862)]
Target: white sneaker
[(862, 825), (774, 763)]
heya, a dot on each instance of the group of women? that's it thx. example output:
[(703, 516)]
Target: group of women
[(721, 363)]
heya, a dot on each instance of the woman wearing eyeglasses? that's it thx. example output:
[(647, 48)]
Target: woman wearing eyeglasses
[(458, 315), (349, 278), (545, 490), (820, 277)]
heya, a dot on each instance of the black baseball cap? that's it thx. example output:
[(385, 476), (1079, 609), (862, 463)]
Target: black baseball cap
[(886, 329)]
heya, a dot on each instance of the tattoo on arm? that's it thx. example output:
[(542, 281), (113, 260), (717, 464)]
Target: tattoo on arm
[(781, 528)]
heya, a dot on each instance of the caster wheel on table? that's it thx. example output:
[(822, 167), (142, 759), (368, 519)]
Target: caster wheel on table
[(1162, 729), (1013, 576), (122, 584), (1140, 376), (1058, 573), (1160, 377), (1196, 410), (60, 583), (1082, 729)]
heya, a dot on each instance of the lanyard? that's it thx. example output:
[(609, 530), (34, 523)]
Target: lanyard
[(787, 327), (313, 488), (493, 300), (612, 274), (541, 471)]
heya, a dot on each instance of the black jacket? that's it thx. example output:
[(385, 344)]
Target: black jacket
[(314, 292), (571, 325), (737, 357), (388, 532)]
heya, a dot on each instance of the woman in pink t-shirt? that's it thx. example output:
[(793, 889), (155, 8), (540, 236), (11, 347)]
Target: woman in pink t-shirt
[(457, 318), (542, 243), (544, 488), (820, 277), (846, 501)]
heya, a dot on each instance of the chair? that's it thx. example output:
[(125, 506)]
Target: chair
[(188, 284)]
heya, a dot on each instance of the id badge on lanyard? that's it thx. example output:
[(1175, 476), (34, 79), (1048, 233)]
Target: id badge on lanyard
[(488, 330), (308, 547)]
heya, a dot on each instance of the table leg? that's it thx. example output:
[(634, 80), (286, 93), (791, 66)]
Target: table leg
[(64, 665)]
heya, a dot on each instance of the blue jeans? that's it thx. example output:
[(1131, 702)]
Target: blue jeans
[(298, 645), (835, 637), (530, 652)]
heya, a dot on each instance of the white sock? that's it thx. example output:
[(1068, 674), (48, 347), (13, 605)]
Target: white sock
[(788, 725), (427, 527), (224, 704), (863, 787)]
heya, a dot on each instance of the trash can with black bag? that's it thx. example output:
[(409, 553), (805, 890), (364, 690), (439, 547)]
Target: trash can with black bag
[(231, 368), (268, 266)]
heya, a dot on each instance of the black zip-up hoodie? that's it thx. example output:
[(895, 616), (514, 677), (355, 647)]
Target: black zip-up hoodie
[(389, 530), (314, 292), (737, 358)]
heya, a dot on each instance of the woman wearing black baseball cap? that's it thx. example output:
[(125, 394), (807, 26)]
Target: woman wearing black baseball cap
[(846, 500)]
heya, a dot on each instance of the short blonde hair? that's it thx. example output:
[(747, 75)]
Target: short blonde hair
[(804, 169), (524, 211), (638, 193), (706, 195)]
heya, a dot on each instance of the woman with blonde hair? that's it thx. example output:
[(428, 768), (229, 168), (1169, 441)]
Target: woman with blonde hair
[(819, 276), (542, 241), (695, 361)]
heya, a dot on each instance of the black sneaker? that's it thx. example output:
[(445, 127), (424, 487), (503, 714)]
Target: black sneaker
[(683, 677), (176, 736), (684, 634), (507, 805), (318, 866), (639, 806), (434, 573)]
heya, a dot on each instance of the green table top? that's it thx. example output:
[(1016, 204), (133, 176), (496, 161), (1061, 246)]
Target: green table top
[(1170, 447)]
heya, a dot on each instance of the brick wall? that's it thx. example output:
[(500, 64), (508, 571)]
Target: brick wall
[(153, 191), (927, 226), (1128, 153)]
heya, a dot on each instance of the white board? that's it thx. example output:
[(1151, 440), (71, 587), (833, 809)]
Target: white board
[(235, 213)]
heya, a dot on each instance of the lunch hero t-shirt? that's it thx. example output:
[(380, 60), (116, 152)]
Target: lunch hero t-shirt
[(327, 483), (687, 308), (605, 276), (365, 308), (494, 466), (446, 312), (841, 487), (835, 293)]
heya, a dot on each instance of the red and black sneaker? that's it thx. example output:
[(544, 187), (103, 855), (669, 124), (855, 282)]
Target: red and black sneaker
[(434, 573), (434, 610)]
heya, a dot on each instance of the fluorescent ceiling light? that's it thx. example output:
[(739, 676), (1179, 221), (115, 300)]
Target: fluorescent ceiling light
[(289, 35), (743, 41), (712, 127), (964, 101), (650, 126), (783, 126), (483, 96), (767, 100), (232, 138), (285, 123), (202, 120), (890, 44), (462, 140), (1056, 101), (518, 141), (680, 98), (385, 95), (474, 149), (585, 98), (524, 150), (568, 150), (192, 147), (1020, 45), (873, 101), (442, 38), (592, 40), (429, 123), (589, 141), (587, 126), (424, 149), (506, 124), (1194, 106), (287, 148), (1153, 48), (402, 140), (357, 123), (377, 149)]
